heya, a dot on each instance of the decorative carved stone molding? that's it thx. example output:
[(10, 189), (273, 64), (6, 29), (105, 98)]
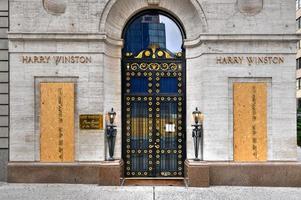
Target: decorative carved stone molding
[(250, 7), (189, 12), (153, 2), (55, 7)]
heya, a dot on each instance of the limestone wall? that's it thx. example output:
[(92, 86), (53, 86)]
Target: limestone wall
[(214, 28), (221, 17)]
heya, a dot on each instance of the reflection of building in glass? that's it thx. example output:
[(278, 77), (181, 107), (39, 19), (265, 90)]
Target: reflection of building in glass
[(144, 31)]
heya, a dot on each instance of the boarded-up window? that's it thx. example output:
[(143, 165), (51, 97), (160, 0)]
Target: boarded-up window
[(250, 122), (57, 122)]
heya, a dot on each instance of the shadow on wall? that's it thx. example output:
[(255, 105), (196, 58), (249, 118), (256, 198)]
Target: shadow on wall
[(3, 163), (299, 127)]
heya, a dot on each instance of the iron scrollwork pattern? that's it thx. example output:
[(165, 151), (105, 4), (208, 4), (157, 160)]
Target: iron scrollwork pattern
[(153, 112)]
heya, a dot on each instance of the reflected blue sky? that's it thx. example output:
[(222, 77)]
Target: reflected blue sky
[(174, 38)]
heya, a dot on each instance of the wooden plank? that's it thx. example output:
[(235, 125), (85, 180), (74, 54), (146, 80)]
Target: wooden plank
[(57, 122), (250, 121)]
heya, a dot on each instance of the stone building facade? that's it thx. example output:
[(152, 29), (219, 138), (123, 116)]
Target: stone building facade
[(4, 80), (247, 52)]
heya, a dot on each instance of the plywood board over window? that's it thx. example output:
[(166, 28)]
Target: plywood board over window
[(250, 121), (57, 122)]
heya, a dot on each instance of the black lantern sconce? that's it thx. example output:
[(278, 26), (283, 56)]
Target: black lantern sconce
[(111, 133), (197, 133)]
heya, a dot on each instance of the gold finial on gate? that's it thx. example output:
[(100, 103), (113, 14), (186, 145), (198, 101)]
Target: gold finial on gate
[(154, 51), (154, 47)]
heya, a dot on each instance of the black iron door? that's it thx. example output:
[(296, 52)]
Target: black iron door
[(153, 113)]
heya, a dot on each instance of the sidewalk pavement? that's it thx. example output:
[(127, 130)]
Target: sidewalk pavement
[(94, 192)]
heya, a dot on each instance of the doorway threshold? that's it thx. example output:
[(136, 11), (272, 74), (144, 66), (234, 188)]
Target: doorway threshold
[(179, 182)]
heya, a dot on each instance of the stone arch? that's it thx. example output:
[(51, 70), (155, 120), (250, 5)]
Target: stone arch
[(114, 18), (118, 12)]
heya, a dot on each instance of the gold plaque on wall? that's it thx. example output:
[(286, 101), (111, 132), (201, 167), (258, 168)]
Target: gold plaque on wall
[(57, 122), (90, 122), (250, 122)]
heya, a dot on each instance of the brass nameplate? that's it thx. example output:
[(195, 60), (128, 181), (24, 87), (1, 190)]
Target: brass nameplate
[(91, 122), (250, 122), (57, 122)]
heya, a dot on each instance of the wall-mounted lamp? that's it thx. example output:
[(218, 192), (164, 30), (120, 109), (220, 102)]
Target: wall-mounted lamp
[(111, 133), (197, 133)]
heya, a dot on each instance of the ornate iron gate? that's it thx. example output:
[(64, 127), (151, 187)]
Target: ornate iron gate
[(154, 113)]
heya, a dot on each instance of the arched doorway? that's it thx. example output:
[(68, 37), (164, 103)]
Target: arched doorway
[(153, 96)]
